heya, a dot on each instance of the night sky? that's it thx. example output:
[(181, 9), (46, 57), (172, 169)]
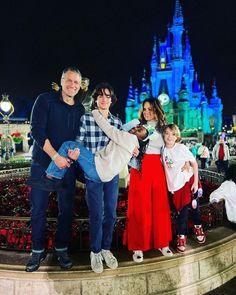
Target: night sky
[(109, 41)]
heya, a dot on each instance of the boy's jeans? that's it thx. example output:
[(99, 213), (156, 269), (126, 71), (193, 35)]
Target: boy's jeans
[(85, 160)]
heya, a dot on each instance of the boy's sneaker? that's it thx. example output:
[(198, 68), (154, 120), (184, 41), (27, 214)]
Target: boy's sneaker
[(96, 262), (64, 259), (199, 234), (181, 243), (110, 259), (35, 260), (138, 256)]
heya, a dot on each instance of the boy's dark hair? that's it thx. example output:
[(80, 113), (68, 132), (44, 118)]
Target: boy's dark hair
[(230, 173), (99, 89)]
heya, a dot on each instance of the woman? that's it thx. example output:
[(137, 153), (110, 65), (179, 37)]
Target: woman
[(148, 217)]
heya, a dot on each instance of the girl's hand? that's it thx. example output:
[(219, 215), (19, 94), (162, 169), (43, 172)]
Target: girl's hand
[(135, 152), (74, 154)]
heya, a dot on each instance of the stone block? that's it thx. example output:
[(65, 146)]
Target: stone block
[(173, 278), (215, 264)]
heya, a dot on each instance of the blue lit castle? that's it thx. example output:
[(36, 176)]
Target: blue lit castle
[(175, 83)]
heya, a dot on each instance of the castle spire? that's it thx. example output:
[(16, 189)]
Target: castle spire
[(196, 87), (154, 54), (130, 98), (178, 16)]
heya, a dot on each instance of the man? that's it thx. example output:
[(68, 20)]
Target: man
[(101, 197), (84, 94), (55, 118), (221, 156)]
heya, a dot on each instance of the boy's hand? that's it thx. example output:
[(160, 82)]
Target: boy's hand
[(194, 187), (135, 152), (74, 154), (186, 166)]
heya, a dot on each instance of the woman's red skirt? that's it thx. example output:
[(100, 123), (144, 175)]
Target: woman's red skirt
[(148, 223)]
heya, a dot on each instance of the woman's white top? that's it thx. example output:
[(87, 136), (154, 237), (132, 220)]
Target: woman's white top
[(155, 144)]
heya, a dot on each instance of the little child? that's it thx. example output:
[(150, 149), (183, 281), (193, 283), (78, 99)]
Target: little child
[(182, 184), (106, 163)]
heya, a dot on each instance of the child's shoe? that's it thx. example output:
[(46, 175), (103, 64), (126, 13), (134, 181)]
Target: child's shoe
[(181, 243), (199, 234)]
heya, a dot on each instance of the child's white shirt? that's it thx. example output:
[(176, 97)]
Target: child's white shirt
[(226, 192), (173, 160)]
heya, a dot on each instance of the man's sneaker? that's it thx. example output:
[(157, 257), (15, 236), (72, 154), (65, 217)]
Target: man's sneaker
[(181, 243), (35, 260), (138, 256), (64, 259), (96, 262), (199, 234), (110, 259)]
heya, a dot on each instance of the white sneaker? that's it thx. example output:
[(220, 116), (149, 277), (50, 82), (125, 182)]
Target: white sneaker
[(138, 256), (166, 251), (96, 262), (109, 258)]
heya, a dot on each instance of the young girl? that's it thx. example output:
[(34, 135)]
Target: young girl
[(182, 184), (106, 163)]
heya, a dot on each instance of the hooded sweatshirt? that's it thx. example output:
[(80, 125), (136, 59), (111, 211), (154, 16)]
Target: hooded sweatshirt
[(113, 158)]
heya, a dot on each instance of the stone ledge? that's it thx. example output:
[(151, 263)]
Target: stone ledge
[(201, 269)]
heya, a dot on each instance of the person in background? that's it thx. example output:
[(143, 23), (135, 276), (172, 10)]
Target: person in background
[(101, 196), (182, 184), (227, 193), (148, 223), (221, 156), (84, 94), (204, 155), (55, 118), (194, 149)]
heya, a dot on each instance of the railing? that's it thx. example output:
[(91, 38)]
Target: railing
[(15, 231)]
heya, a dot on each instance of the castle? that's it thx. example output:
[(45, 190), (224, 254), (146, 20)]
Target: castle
[(174, 82)]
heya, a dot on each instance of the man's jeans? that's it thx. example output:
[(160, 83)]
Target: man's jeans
[(102, 201), (85, 160), (39, 206)]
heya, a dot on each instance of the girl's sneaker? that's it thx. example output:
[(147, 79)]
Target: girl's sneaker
[(138, 256), (181, 243), (199, 234)]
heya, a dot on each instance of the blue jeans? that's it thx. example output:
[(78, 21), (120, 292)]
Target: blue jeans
[(39, 206), (102, 200), (182, 218), (85, 160)]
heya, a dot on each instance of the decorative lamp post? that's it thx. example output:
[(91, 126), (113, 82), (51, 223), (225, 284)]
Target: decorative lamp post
[(6, 144)]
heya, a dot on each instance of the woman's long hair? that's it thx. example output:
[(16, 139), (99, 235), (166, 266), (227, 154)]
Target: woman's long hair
[(157, 108)]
